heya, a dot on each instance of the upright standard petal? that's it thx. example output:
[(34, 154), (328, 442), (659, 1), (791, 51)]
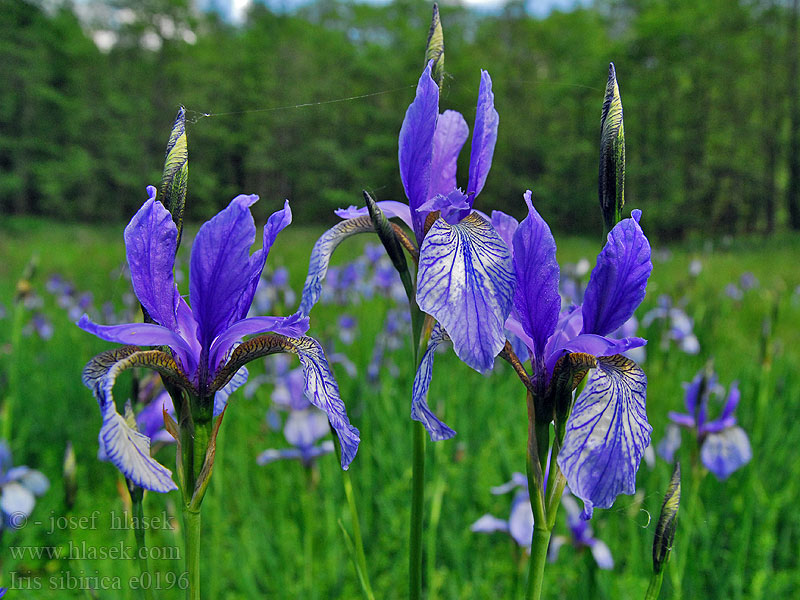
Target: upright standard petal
[(618, 281), (606, 434), (321, 257), (416, 146), (448, 139), (220, 269), (465, 281), (723, 453), (536, 297), (422, 382), (125, 447), (276, 223), (151, 239), (484, 137)]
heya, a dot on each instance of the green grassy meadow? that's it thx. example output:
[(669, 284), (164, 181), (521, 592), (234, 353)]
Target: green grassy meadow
[(276, 531)]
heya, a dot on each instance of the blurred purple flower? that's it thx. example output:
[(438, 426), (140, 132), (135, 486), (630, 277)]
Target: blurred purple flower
[(724, 446), (581, 536), (19, 487), (302, 430)]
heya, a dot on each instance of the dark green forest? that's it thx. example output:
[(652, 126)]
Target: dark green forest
[(709, 90)]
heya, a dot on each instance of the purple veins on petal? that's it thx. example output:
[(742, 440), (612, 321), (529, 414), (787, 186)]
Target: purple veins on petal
[(465, 281), (322, 391), (606, 434), (420, 411), (618, 281)]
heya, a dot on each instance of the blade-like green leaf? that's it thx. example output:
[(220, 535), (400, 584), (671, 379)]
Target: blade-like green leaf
[(612, 154)]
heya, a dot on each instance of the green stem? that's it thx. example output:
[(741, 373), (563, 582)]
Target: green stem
[(191, 525), (366, 588), (541, 541), (417, 500), (13, 372), (655, 586), (308, 535), (137, 508), (688, 509)]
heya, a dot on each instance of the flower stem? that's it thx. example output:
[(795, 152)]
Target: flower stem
[(366, 588), (191, 525), (655, 586), (541, 540), (308, 534), (417, 499), (137, 508)]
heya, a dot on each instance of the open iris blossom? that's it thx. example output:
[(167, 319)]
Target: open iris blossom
[(607, 431), (724, 446), (198, 357), (520, 524), (464, 279)]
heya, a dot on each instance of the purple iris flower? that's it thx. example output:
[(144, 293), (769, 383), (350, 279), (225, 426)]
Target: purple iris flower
[(581, 536), (464, 279), (19, 487), (520, 520), (724, 446), (201, 339), (607, 429), (302, 430)]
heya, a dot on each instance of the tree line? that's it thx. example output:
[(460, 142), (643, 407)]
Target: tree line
[(307, 105)]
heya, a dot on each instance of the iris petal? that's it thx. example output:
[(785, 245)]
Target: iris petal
[(465, 281), (391, 208), (293, 326), (304, 427), (16, 500), (139, 334), (321, 257), (125, 447), (723, 453), (415, 149), (489, 524), (151, 239), (536, 298), (276, 223), (221, 396), (506, 226), (422, 381), (448, 139), (484, 137), (606, 434), (520, 521), (220, 269), (618, 281)]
